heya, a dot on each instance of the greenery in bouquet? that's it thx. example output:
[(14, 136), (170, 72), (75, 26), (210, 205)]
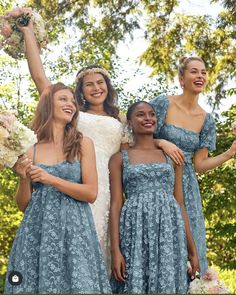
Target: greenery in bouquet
[(15, 139), (12, 39)]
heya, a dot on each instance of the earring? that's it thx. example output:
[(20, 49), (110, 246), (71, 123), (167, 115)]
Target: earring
[(130, 130), (82, 97)]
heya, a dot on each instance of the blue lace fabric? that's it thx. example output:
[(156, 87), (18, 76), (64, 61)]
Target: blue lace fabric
[(152, 234), (56, 247), (189, 142)]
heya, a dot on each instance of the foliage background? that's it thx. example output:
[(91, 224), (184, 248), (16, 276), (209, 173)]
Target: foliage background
[(98, 27)]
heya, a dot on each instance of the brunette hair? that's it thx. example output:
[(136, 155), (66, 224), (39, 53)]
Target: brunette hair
[(110, 102), (42, 122), (133, 106), (184, 61)]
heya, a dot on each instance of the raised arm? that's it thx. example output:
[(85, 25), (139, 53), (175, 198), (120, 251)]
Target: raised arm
[(192, 251), (33, 58), (118, 262), (85, 191), (202, 161)]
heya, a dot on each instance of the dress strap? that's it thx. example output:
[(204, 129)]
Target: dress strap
[(34, 154), (125, 157), (168, 159)]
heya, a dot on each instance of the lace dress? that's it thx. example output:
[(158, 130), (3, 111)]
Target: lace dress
[(107, 135), (189, 142), (56, 247), (152, 233)]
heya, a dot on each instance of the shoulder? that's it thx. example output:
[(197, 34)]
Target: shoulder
[(160, 99), (122, 118), (86, 142), (209, 122), (87, 145), (116, 158)]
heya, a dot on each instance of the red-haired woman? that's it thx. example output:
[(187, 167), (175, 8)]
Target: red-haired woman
[(56, 249)]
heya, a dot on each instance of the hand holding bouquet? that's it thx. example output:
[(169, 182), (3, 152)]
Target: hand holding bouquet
[(207, 284), (15, 139), (12, 39)]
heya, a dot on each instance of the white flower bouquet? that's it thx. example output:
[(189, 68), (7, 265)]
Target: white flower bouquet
[(12, 39), (127, 135), (15, 139), (207, 284)]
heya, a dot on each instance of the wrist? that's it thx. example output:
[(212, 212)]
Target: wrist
[(24, 179), (51, 180), (229, 154), (160, 143), (115, 250)]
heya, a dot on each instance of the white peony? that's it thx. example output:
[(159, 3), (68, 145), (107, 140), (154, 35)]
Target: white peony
[(12, 39), (15, 139)]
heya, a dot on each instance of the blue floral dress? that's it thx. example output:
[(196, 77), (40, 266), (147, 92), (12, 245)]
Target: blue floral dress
[(56, 247), (152, 233), (189, 142)]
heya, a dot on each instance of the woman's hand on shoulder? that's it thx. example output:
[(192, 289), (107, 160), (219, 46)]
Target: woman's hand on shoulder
[(175, 153)]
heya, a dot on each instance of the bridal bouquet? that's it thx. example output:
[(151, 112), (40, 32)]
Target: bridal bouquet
[(12, 39), (207, 284), (15, 139)]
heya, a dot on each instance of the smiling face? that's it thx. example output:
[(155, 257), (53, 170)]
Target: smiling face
[(94, 89), (64, 106), (143, 119), (194, 78)]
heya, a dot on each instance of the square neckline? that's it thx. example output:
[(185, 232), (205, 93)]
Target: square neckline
[(182, 128), (126, 152), (50, 165)]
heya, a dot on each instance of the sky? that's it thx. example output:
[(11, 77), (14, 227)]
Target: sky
[(138, 46), (130, 50)]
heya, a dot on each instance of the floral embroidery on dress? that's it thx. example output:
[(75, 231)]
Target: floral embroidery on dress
[(106, 133), (56, 247), (189, 142)]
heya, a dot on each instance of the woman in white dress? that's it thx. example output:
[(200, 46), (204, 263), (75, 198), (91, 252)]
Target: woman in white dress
[(99, 119)]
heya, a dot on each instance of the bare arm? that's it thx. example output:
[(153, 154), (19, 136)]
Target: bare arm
[(118, 262), (24, 191), (33, 58), (192, 251), (202, 162), (85, 191)]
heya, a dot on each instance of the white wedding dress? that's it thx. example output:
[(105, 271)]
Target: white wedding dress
[(107, 135)]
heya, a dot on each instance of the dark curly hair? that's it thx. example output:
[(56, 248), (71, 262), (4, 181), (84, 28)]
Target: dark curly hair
[(133, 106), (110, 102)]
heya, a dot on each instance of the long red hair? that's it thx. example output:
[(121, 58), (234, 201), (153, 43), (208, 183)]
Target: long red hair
[(42, 122)]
